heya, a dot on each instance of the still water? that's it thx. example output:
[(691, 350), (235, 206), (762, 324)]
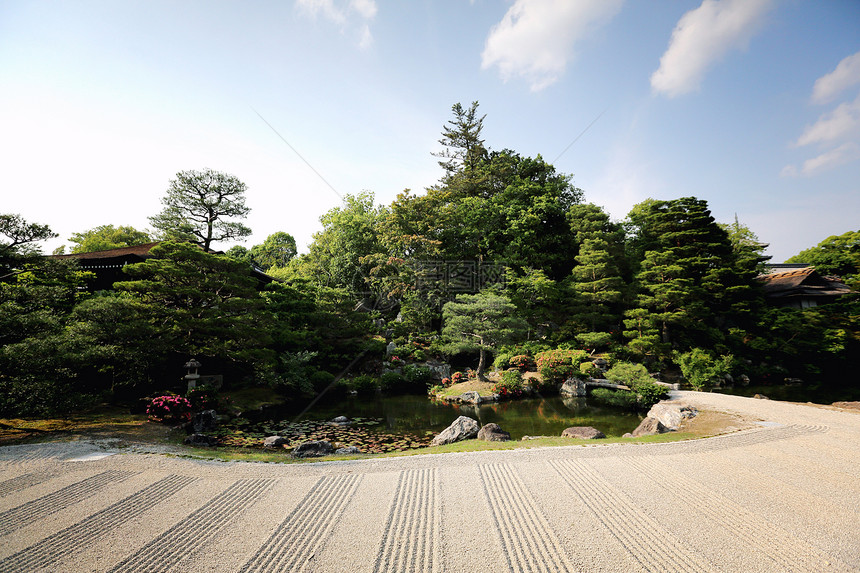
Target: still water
[(418, 415)]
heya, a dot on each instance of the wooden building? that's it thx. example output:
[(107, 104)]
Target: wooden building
[(801, 288)]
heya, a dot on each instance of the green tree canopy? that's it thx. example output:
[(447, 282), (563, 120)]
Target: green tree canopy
[(836, 255), (338, 256), (106, 237), (17, 244), (481, 322), (202, 207), (276, 251), (690, 280), (208, 303)]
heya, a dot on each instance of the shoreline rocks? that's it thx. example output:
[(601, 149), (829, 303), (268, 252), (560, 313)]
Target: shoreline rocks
[(583, 433), (665, 416), (313, 449), (493, 433), (463, 428)]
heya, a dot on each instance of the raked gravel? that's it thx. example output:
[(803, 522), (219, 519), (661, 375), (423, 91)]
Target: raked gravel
[(783, 496)]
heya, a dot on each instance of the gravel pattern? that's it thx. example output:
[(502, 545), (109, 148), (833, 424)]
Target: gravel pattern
[(779, 497)]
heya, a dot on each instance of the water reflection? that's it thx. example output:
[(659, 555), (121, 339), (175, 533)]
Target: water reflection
[(541, 416)]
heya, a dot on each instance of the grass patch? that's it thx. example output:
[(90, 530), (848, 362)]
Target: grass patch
[(482, 388), (100, 423)]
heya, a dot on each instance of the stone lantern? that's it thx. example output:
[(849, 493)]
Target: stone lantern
[(192, 376)]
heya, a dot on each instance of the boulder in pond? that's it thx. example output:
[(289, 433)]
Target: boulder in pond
[(313, 449), (341, 421), (493, 433), (463, 428), (573, 388), (583, 433)]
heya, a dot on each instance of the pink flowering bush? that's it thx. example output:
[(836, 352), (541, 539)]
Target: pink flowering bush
[(522, 362), (169, 409), (458, 377)]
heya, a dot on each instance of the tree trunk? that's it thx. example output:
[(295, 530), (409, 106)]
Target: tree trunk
[(481, 365)]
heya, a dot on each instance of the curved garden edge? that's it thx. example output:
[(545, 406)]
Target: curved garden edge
[(707, 424)]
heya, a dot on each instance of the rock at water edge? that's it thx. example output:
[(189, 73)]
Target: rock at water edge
[(348, 450), (275, 441), (471, 397), (463, 428), (313, 449), (583, 433), (648, 427), (493, 433), (670, 414), (573, 388)]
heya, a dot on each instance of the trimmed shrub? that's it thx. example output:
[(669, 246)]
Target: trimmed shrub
[(203, 398), (510, 386), (701, 369), (558, 365), (391, 382), (617, 398), (417, 378), (458, 377), (650, 393), (503, 360), (640, 382), (627, 373), (169, 409), (522, 362), (364, 384)]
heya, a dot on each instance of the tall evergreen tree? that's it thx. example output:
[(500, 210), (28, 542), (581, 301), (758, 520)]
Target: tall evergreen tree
[(689, 279)]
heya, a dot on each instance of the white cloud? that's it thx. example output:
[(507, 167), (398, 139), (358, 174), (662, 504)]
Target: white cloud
[(354, 15), (535, 39), (846, 74), (842, 122), (845, 153), (702, 37)]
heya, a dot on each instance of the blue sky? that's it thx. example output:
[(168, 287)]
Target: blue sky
[(753, 105)]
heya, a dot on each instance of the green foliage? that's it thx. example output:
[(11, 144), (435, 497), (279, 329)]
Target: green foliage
[(203, 398), (337, 257), (644, 392), (17, 244), (702, 369), (480, 322), (106, 237), (416, 376), (836, 255), (207, 303), (276, 251), (364, 384), (391, 382), (649, 393), (502, 360), (617, 398), (594, 340), (628, 373), (199, 206), (522, 362), (510, 386), (556, 366), (692, 285)]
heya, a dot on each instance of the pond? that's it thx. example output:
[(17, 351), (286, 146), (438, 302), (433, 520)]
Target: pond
[(417, 418)]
